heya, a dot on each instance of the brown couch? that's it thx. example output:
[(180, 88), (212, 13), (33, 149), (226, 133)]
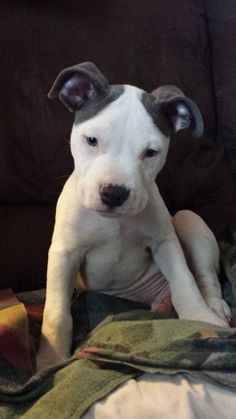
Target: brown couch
[(189, 43)]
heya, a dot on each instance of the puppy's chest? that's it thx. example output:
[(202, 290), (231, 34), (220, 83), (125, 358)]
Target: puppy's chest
[(118, 256)]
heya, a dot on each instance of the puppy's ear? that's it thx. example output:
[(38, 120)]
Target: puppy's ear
[(180, 111), (77, 85)]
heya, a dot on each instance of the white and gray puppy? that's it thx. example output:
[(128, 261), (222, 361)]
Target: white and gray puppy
[(112, 227)]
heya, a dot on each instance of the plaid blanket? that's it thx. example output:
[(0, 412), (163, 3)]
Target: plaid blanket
[(114, 340)]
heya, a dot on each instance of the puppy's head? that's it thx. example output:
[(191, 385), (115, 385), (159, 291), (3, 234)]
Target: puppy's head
[(120, 136)]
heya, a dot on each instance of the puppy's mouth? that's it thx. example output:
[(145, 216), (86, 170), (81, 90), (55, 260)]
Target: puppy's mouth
[(131, 206), (109, 212)]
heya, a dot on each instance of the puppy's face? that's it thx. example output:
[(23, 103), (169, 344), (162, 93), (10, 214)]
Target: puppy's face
[(117, 155)]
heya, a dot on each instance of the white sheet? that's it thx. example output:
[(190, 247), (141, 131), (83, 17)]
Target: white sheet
[(166, 397)]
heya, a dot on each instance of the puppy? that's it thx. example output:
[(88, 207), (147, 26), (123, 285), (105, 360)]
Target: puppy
[(112, 226)]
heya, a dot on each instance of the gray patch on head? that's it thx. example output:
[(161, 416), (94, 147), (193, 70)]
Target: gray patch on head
[(93, 107), (153, 108)]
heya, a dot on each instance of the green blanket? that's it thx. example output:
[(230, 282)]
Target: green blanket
[(114, 340)]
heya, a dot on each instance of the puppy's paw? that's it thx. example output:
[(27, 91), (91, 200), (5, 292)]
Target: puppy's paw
[(42, 363), (220, 307), (50, 355), (48, 360), (209, 316), (218, 321)]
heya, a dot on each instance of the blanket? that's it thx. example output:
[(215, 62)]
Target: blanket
[(114, 340)]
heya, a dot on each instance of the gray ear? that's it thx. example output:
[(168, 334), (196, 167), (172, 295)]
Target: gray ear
[(77, 85), (180, 111)]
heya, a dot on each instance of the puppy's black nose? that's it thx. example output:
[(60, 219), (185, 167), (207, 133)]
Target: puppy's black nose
[(113, 195)]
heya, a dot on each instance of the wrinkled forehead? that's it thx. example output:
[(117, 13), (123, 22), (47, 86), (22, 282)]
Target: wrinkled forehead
[(125, 108)]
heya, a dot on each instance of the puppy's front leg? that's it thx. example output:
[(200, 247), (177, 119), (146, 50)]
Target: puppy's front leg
[(202, 255), (185, 294), (65, 256), (56, 334)]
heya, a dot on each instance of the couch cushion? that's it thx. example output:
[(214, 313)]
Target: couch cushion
[(221, 17), (24, 241), (143, 43)]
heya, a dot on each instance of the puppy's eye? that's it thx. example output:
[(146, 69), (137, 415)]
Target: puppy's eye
[(150, 153), (92, 141)]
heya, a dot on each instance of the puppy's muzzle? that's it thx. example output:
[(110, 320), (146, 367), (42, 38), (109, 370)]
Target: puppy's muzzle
[(113, 195)]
